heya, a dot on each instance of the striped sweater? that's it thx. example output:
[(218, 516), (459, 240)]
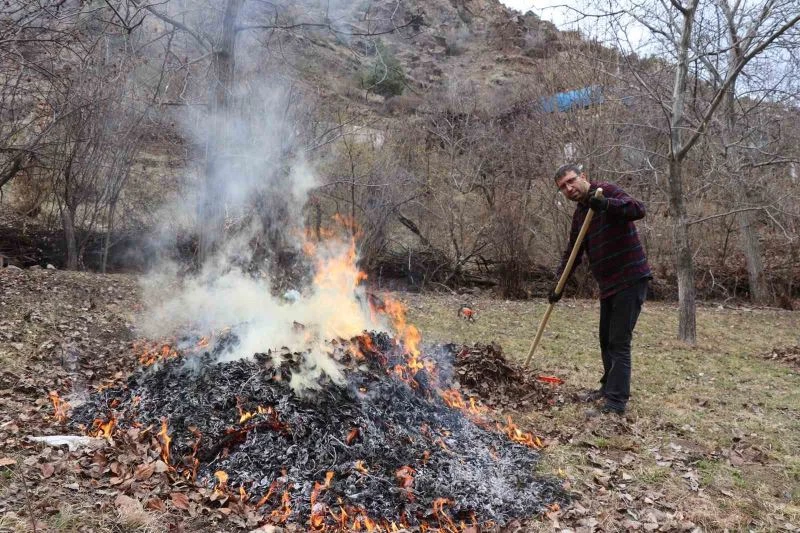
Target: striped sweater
[(616, 256)]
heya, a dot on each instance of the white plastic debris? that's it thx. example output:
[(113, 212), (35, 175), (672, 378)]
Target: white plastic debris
[(73, 442)]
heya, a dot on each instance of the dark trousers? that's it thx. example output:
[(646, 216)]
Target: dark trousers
[(618, 315)]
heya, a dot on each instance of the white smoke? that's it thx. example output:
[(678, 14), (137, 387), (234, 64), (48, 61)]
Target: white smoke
[(262, 178)]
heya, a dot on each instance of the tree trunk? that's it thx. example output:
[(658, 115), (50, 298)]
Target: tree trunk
[(683, 255), (70, 239), (687, 323), (222, 66), (107, 240), (751, 247), (735, 159)]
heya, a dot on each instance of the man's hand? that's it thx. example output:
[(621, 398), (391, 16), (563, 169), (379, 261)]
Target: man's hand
[(598, 204), (553, 297)]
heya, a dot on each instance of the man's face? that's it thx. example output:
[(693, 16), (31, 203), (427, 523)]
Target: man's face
[(574, 186)]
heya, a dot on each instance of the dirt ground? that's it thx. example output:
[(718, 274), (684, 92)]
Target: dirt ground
[(710, 442)]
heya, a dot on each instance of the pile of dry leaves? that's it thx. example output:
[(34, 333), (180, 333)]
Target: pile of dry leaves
[(788, 355), (483, 371)]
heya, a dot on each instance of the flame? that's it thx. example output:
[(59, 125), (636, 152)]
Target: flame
[(222, 482), (453, 398), (164, 439), (407, 333), (337, 291), (264, 499), (244, 416), (360, 344), (515, 434), (281, 514), (359, 465), (60, 407), (103, 428), (153, 352), (352, 436), (550, 379), (445, 522), (405, 477), (342, 519), (476, 409), (190, 472), (317, 519), (472, 409)]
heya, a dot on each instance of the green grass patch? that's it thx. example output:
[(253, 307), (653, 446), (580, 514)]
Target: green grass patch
[(706, 401)]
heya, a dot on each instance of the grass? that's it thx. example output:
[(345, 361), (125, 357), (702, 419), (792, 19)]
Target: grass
[(726, 414), (716, 412)]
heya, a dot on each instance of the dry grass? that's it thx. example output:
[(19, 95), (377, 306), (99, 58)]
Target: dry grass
[(716, 411)]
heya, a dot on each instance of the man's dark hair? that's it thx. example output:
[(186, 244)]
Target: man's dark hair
[(564, 169)]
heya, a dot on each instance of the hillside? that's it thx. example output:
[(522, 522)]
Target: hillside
[(422, 121)]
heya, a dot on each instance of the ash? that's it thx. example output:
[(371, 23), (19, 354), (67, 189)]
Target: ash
[(395, 449)]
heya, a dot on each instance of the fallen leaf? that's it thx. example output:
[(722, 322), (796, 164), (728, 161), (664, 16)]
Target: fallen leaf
[(180, 500), (144, 471), (127, 505), (156, 504), (47, 470), (7, 461)]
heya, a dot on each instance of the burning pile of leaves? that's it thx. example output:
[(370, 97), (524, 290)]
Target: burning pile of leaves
[(483, 371), (384, 449), (788, 355)]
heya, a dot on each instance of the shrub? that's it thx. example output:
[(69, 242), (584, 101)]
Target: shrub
[(386, 75)]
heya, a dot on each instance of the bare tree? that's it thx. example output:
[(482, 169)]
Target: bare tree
[(695, 97), (215, 40)]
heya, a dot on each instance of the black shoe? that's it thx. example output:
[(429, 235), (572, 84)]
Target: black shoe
[(613, 410), (593, 396), (605, 410)]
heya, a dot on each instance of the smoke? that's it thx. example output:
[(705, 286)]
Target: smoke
[(250, 165)]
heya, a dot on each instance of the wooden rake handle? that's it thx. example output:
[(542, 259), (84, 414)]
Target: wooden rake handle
[(598, 193)]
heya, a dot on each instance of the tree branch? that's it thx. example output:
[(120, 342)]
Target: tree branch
[(720, 215), (201, 40), (731, 77)]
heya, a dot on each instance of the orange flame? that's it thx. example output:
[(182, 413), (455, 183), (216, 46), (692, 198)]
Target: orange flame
[(282, 513), (244, 416), (515, 434), (152, 353), (361, 343), (191, 462), (103, 428), (60, 407), (341, 270), (164, 439), (264, 499), (408, 333), (222, 482), (445, 522), (352, 436), (405, 476), (317, 519), (359, 465), (453, 398)]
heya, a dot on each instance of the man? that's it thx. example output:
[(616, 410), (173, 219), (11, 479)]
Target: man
[(618, 263)]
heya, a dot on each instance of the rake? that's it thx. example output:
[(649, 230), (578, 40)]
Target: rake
[(564, 276)]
